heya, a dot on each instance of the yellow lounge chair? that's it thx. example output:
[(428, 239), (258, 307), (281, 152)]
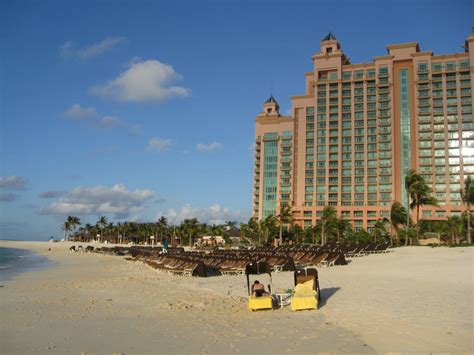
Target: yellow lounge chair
[(263, 302), (304, 296)]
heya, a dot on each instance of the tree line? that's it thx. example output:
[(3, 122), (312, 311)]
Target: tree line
[(398, 228)]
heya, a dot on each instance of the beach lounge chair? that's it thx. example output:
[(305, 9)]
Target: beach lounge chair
[(306, 293), (264, 301)]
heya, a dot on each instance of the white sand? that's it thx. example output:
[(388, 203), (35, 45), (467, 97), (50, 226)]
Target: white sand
[(415, 299)]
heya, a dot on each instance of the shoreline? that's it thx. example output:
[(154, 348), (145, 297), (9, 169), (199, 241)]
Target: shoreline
[(413, 299), (21, 260)]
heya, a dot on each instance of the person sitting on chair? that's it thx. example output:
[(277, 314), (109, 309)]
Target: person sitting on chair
[(258, 290)]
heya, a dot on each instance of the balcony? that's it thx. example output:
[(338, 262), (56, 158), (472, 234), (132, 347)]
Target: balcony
[(384, 122)]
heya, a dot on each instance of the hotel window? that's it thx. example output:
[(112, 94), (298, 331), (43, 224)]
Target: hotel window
[(383, 70), (422, 67), (346, 75), (359, 74), (450, 66), (436, 66)]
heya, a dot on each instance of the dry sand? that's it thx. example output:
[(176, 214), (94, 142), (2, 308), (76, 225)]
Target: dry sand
[(414, 299)]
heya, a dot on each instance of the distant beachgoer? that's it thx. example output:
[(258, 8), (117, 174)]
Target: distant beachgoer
[(258, 290)]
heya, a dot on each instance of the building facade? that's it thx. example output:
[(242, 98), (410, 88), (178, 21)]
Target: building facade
[(359, 128)]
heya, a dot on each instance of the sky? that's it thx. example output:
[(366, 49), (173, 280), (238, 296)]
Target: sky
[(140, 109)]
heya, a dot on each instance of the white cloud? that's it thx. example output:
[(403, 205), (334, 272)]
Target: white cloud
[(67, 49), (211, 147), (92, 117), (100, 200), (135, 130), (77, 111), (159, 144), (109, 121), (12, 183), (143, 81), (8, 197), (214, 214), (51, 194)]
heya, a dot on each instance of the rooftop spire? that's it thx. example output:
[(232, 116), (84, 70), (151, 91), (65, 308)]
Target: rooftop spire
[(329, 37)]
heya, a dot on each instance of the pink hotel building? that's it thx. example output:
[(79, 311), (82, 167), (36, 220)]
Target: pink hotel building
[(359, 127)]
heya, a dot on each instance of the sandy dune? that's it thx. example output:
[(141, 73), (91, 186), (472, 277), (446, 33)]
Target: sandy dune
[(415, 299)]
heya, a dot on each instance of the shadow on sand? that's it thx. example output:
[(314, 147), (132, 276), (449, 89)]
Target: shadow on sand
[(326, 293)]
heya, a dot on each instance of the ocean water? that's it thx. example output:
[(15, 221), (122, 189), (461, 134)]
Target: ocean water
[(16, 261)]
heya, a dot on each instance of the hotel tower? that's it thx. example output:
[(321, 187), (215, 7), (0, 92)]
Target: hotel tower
[(358, 128)]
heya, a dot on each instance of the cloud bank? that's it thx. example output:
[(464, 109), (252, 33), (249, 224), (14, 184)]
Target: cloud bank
[(214, 214), (68, 49), (12, 183), (143, 81), (159, 144), (100, 200), (206, 148)]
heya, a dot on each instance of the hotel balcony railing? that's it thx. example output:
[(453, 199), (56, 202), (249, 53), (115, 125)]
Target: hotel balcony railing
[(384, 113), (465, 93), (423, 71), (437, 78), (384, 122), (384, 98), (424, 103), (286, 143), (423, 110), (437, 94), (385, 146)]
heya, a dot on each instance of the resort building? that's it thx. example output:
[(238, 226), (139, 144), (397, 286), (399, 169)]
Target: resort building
[(358, 128)]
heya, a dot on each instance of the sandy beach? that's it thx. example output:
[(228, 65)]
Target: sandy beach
[(414, 299)]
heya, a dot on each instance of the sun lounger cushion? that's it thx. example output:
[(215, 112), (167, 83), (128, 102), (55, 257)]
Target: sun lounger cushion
[(305, 288), (264, 302), (304, 297)]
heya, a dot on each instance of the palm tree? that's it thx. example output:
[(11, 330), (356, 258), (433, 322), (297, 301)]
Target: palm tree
[(420, 193), (342, 225), (101, 224), (412, 180), (378, 230), (162, 224), (454, 228), (66, 227), (398, 217), (467, 196), (73, 222), (230, 224), (267, 226), (189, 228), (328, 219), (297, 232), (285, 216)]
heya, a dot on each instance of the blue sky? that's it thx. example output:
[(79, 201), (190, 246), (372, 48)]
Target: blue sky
[(135, 109)]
